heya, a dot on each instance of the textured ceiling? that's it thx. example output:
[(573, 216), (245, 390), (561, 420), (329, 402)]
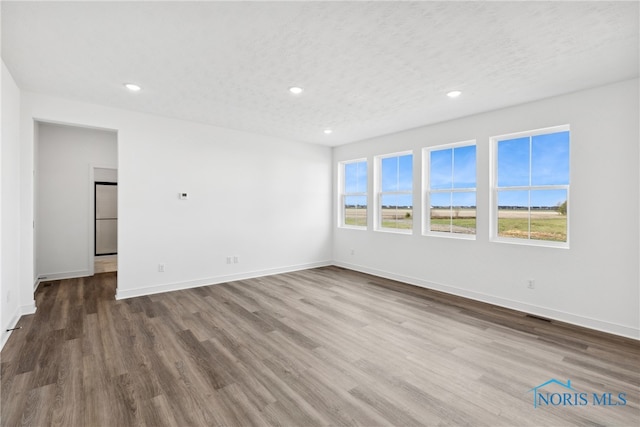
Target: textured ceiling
[(368, 68)]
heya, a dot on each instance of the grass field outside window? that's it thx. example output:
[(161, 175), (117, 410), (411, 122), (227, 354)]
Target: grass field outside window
[(531, 186), (354, 193), (450, 190), (394, 183)]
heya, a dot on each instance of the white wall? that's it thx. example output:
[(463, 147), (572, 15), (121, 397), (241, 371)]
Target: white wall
[(66, 158), (105, 175), (264, 200), (268, 201), (11, 307), (595, 283)]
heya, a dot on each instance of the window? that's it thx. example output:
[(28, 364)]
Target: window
[(395, 192), (450, 190), (354, 194), (531, 187)]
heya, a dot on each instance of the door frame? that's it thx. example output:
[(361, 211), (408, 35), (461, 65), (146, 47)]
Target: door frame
[(95, 219), (92, 210)]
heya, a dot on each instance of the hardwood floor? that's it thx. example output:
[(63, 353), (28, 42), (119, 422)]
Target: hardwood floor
[(319, 347), (105, 264)]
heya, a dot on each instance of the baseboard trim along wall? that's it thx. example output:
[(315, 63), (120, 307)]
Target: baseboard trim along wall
[(170, 287), (12, 324), (62, 276), (573, 319), (21, 311)]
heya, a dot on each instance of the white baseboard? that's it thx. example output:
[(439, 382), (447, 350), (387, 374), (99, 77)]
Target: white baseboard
[(12, 324), (63, 275), (15, 318), (596, 324), (562, 316), (150, 290), (28, 309)]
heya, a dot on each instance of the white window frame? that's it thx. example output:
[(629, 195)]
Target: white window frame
[(426, 193), (343, 194), (378, 193), (493, 225)]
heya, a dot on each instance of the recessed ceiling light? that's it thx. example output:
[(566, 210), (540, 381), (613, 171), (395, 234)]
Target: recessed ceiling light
[(454, 94), (328, 131), (132, 87), (295, 90)]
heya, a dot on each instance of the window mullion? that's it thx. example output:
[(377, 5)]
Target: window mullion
[(451, 212), (398, 173), (453, 162), (551, 225), (355, 170)]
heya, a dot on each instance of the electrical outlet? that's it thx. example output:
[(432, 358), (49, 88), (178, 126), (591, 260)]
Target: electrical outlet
[(531, 284), (160, 268), (353, 251), (228, 260), (236, 260)]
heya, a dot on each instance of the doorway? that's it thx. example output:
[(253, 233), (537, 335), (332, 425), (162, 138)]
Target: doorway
[(69, 161), (105, 227), (106, 216)]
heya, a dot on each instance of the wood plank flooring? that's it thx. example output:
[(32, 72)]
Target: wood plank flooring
[(105, 263), (318, 347)]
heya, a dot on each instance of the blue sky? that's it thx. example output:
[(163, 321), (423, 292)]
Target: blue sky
[(453, 168), (545, 198), (539, 160), (397, 175), (355, 177)]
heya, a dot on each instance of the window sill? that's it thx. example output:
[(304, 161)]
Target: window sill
[(529, 242), (445, 235), (394, 231), (353, 227)]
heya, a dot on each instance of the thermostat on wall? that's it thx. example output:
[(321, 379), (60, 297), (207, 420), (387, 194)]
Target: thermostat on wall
[(183, 196)]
